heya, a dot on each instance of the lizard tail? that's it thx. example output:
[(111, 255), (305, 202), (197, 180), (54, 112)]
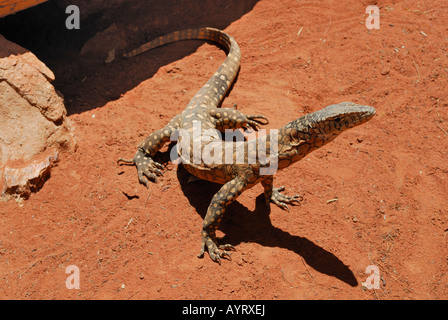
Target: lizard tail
[(216, 88), (208, 34)]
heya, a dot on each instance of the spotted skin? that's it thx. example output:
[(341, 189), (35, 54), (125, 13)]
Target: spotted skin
[(295, 140)]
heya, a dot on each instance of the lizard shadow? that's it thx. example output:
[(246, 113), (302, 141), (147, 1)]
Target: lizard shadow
[(243, 225), (78, 58)]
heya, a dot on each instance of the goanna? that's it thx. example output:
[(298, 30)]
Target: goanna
[(293, 141)]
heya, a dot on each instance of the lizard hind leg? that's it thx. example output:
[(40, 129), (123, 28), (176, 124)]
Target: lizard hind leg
[(227, 194)]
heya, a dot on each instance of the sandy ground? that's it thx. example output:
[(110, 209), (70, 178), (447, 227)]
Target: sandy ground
[(389, 176)]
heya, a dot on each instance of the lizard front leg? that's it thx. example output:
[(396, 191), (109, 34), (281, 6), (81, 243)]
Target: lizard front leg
[(273, 194), (226, 195), (147, 168)]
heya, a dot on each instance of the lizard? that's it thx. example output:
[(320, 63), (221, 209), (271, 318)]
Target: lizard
[(204, 112)]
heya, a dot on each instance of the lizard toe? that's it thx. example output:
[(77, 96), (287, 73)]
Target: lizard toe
[(129, 162), (151, 176), (143, 179), (256, 118), (227, 247)]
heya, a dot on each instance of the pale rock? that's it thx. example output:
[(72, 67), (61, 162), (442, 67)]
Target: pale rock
[(32, 116)]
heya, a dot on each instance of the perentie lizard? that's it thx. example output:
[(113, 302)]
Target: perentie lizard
[(294, 140)]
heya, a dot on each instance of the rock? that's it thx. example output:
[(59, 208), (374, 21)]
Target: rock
[(12, 6), (385, 70), (32, 115), (30, 78), (20, 182)]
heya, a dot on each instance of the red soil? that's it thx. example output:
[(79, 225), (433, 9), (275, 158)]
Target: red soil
[(389, 176)]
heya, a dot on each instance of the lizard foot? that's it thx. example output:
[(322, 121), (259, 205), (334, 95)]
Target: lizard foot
[(281, 200), (216, 252), (147, 168)]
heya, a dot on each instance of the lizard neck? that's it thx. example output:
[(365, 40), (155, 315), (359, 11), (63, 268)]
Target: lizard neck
[(289, 144), (296, 140), (283, 147)]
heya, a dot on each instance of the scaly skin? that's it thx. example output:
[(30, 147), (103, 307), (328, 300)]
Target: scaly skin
[(295, 140)]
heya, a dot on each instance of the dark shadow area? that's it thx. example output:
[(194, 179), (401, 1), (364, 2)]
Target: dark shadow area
[(85, 80), (242, 225)]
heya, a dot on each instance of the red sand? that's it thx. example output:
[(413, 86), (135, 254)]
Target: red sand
[(389, 176)]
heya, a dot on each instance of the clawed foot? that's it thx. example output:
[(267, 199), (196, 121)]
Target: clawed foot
[(254, 121), (147, 168), (281, 200), (216, 252)]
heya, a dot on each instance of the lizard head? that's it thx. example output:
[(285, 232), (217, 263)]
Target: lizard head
[(329, 122), (337, 118), (316, 129)]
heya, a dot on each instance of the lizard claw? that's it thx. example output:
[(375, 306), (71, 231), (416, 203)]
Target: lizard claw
[(226, 254)]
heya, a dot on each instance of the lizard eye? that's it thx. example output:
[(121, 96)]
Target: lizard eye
[(337, 119)]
